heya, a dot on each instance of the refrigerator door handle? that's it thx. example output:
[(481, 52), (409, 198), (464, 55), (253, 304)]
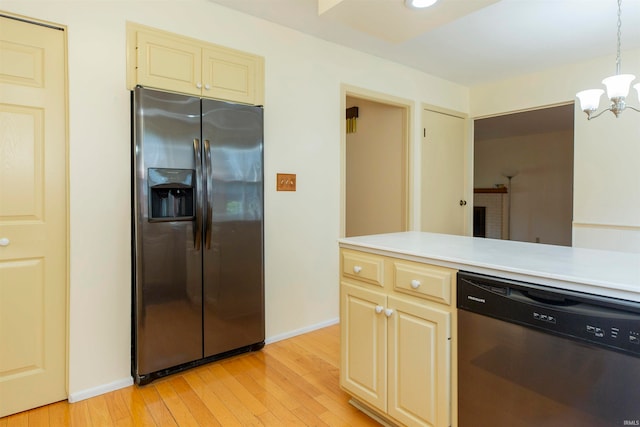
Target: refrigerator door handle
[(197, 230), (208, 186)]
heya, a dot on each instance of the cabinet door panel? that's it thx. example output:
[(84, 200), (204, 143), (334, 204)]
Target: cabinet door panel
[(419, 364), (167, 63), (232, 76), (363, 345)]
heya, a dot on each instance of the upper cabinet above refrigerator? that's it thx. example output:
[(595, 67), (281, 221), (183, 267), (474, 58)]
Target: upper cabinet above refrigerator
[(162, 60)]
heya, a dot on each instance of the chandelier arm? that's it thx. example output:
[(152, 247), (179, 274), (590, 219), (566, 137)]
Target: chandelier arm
[(633, 108), (589, 117)]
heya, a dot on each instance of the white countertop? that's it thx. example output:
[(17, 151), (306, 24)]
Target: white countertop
[(608, 273)]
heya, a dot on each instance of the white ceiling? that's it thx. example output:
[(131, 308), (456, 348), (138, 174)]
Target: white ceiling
[(465, 41)]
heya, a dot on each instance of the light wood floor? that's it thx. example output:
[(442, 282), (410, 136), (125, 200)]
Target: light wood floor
[(292, 382)]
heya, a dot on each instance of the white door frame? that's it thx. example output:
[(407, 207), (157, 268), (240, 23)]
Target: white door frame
[(408, 106)]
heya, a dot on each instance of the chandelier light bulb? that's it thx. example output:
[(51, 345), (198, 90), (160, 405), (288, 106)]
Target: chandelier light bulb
[(637, 88), (618, 85), (590, 99)]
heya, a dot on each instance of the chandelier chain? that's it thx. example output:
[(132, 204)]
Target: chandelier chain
[(618, 59)]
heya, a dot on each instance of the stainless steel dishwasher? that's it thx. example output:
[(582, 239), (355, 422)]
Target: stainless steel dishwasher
[(535, 356)]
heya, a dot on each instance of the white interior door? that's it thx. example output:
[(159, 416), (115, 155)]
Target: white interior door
[(443, 204), (33, 216)]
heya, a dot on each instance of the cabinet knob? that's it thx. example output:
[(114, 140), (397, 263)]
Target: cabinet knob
[(388, 312), (207, 87), (357, 269), (199, 85), (415, 284), (379, 309), (4, 241)]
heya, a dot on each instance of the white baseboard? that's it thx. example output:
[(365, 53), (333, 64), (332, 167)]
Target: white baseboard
[(301, 331), (101, 389)]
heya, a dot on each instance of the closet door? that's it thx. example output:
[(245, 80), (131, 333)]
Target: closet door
[(33, 216)]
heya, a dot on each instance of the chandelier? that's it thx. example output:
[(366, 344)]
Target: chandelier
[(617, 87)]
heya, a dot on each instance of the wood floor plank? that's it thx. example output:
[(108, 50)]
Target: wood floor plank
[(302, 394), (117, 407), (176, 406), (244, 395), (18, 420), (273, 359), (230, 400), (59, 414), (309, 418), (39, 417), (156, 406), (348, 414), (294, 382), (99, 411), (195, 405), (79, 414), (211, 400), (135, 404), (276, 408)]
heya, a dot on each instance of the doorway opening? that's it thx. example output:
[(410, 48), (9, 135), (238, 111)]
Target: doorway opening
[(375, 165), (523, 175)]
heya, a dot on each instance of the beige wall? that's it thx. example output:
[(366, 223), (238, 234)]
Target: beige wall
[(606, 184), (541, 193), (375, 170), (303, 118)]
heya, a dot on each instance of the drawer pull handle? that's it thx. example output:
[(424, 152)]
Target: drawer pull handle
[(379, 309), (388, 312), (4, 241), (357, 269), (415, 284)]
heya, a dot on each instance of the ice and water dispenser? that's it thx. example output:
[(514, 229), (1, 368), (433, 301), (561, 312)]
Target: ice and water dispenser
[(171, 194)]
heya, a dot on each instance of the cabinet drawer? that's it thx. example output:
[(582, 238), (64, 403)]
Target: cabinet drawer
[(426, 281), (362, 266)]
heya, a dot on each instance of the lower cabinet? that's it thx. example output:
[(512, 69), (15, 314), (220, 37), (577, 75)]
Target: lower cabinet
[(396, 353)]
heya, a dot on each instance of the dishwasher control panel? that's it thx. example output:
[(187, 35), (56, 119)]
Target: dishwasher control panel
[(602, 321)]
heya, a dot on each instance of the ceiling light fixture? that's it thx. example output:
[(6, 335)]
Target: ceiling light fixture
[(419, 4), (617, 87)]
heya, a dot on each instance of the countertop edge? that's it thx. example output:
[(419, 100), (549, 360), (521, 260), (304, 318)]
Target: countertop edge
[(577, 282)]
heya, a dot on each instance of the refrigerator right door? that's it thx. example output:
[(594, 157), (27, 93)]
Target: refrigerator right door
[(233, 291)]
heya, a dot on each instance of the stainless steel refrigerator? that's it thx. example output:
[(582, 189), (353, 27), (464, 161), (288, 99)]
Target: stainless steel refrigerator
[(198, 282)]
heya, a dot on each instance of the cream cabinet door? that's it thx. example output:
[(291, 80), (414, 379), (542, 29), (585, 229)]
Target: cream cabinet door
[(33, 216), (364, 345), (232, 75), (168, 63), (419, 364)]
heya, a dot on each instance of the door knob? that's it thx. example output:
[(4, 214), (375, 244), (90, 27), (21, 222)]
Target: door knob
[(415, 284), (4, 241), (207, 87), (199, 85), (379, 309), (357, 269), (388, 312), (463, 202)]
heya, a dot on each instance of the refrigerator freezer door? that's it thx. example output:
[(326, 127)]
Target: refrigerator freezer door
[(168, 271), (233, 245)]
